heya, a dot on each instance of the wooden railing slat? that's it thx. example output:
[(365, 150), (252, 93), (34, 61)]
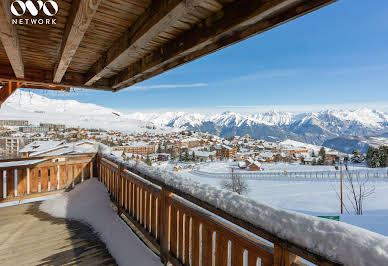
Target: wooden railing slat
[(221, 256), (153, 215), (181, 235), (237, 254), (195, 241), (207, 245), (173, 230), (186, 255)]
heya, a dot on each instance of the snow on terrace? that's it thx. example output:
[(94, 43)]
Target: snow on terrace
[(341, 242), (89, 202)]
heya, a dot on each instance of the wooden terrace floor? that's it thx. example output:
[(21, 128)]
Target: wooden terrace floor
[(31, 237)]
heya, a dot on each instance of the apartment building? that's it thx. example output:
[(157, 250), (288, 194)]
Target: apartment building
[(14, 123), (33, 129), (224, 151), (52, 126), (141, 148), (10, 146)]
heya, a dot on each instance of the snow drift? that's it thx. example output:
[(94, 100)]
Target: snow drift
[(89, 202)]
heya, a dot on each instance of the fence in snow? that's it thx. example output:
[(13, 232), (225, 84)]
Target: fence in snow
[(372, 174)]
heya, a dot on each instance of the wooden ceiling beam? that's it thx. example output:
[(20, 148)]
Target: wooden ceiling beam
[(157, 17), (7, 89), (10, 39), (235, 22), (48, 87), (81, 15), (43, 78)]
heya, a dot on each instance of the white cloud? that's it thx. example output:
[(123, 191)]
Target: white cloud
[(164, 86)]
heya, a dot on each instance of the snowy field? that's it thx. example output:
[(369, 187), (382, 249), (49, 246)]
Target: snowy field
[(225, 167), (315, 198)]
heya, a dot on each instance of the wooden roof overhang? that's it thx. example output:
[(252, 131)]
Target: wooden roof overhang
[(113, 44)]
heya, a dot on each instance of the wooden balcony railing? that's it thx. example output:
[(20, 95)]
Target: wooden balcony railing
[(35, 177), (188, 231)]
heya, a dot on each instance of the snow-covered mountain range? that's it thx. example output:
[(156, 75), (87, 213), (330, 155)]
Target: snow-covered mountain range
[(315, 128), (307, 127)]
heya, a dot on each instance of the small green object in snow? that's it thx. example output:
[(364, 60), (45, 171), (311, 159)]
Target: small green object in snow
[(335, 218)]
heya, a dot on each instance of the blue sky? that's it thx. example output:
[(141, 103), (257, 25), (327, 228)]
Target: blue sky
[(334, 57)]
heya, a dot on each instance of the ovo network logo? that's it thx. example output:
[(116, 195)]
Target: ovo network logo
[(20, 8)]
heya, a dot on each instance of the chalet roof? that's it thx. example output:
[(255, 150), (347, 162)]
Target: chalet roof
[(40, 146), (110, 45)]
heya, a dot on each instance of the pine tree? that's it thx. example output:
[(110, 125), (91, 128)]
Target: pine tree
[(148, 161), (322, 155), (159, 149), (383, 156), (371, 157), (193, 157), (186, 155), (313, 154)]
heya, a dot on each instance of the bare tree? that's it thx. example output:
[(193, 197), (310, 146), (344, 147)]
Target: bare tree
[(236, 184), (359, 189)]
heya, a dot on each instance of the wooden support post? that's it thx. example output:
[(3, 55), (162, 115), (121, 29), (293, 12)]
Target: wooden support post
[(4, 184), (39, 180), (49, 179), (120, 193), (58, 177), (15, 183), (91, 168), (67, 175), (72, 175), (82, 172), (283, 257), (164, 226), (28, 180)]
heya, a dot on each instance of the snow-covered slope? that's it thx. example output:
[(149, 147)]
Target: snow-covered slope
[(37, 108)]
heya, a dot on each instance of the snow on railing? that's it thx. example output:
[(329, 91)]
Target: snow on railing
[(317, 240)]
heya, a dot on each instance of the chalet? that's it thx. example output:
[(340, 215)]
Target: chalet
[(249, 161), (242, 165), (266, 157), (293, 151), (38, 147), (224, 151), (205, 155), (53, 148), (331, 155), (308, 160), (255, 166), (243, 155)]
